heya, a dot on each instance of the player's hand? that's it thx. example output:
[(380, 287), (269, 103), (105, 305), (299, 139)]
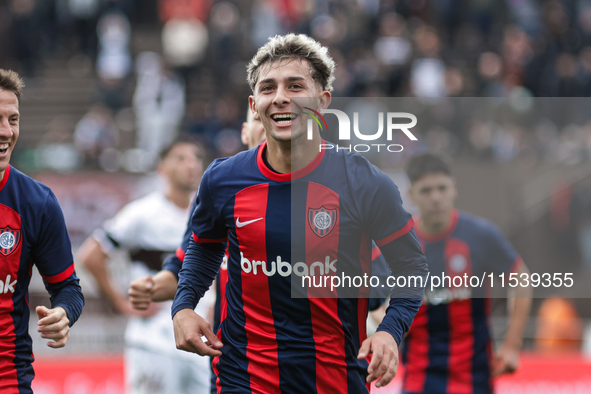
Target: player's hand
[(140, 293), (53, 324), (384, 362), (189, 327), (124, 307), (506, 361)]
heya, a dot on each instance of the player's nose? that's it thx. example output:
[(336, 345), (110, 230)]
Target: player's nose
[(5, 130), (281, 96)]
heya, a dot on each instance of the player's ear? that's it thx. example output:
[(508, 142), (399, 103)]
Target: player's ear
[(253, 108), (325, 99), (244, 134)]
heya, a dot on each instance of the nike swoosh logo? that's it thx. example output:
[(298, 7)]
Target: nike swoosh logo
[(240, 224)]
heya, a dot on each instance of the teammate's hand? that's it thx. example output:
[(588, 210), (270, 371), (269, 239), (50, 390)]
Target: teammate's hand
[(384, 362), (140, 293), (189, 327), (53, 324), (506, 361)]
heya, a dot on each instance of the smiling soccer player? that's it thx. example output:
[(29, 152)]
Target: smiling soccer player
[(285, 203)]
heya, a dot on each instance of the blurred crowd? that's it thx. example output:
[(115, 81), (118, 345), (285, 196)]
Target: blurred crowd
[(195, 81)]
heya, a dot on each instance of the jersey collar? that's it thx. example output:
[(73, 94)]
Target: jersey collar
[(291, 176), (5, 179), (455, 214)]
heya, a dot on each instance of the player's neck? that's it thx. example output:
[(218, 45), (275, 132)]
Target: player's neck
[(436, 228), (289, 156), (178, 197)]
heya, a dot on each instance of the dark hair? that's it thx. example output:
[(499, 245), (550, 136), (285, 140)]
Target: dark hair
[(426, 163), (11, 81), (180, 140)]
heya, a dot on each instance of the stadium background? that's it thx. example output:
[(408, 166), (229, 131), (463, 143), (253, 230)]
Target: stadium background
[(109, 81)]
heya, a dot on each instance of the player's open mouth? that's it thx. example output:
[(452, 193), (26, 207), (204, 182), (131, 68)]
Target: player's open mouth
[(3, 148), (283, 119)]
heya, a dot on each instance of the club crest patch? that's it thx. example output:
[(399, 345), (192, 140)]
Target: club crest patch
[(322, 220), (9, 240)]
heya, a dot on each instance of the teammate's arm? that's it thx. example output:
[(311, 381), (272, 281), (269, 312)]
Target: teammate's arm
[(92, 256), (160, 287), (518, 304)]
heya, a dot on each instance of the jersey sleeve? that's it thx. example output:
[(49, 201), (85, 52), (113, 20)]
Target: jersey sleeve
[(383, 215), (174, 263), (205, 251), (52, 254), (119, 231), (207, 225), (380, 270), (391, 228), (501, 257)]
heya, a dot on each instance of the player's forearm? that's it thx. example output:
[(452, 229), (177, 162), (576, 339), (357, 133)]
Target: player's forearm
[(94, 260), (68, 295), (200, 267), (519, 307), (399, 317), (165, 284)]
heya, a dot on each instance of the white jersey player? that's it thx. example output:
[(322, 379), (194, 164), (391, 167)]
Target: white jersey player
[(150, 229)]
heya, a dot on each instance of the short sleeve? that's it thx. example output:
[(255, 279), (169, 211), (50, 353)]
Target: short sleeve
[(119, 231), (52, 250), (500, 254), (207, 225)]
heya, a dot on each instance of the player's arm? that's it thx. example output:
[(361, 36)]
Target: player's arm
[(406, 258), (518, 304), (94, 259), (200, 266), (503, 258), (391, 228), (52, 253)]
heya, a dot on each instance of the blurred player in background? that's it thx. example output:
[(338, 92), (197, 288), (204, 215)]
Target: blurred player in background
[(162, 286), (32, 231), (271, 341), (150, 229), (448, 347)]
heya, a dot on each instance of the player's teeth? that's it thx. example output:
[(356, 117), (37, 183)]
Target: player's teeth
[(3, 146)]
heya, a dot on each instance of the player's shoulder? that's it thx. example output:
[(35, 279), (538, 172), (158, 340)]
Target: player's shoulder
[(34, 191), (356, 166), (476, 224), (149, 202), (233, 166)]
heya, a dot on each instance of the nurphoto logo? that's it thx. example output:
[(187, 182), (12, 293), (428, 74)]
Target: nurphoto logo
[(394, 122)]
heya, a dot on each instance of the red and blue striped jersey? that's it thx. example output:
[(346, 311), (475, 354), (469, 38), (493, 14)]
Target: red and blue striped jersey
[(32, 232), (448, 348), (320, 219)]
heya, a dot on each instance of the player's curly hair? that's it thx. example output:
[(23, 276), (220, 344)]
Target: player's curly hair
[(294, 46), (11, 81)]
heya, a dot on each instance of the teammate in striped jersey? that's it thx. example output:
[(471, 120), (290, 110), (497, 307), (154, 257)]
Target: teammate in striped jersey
[(448, 348), (286, 208), (32, 232)]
